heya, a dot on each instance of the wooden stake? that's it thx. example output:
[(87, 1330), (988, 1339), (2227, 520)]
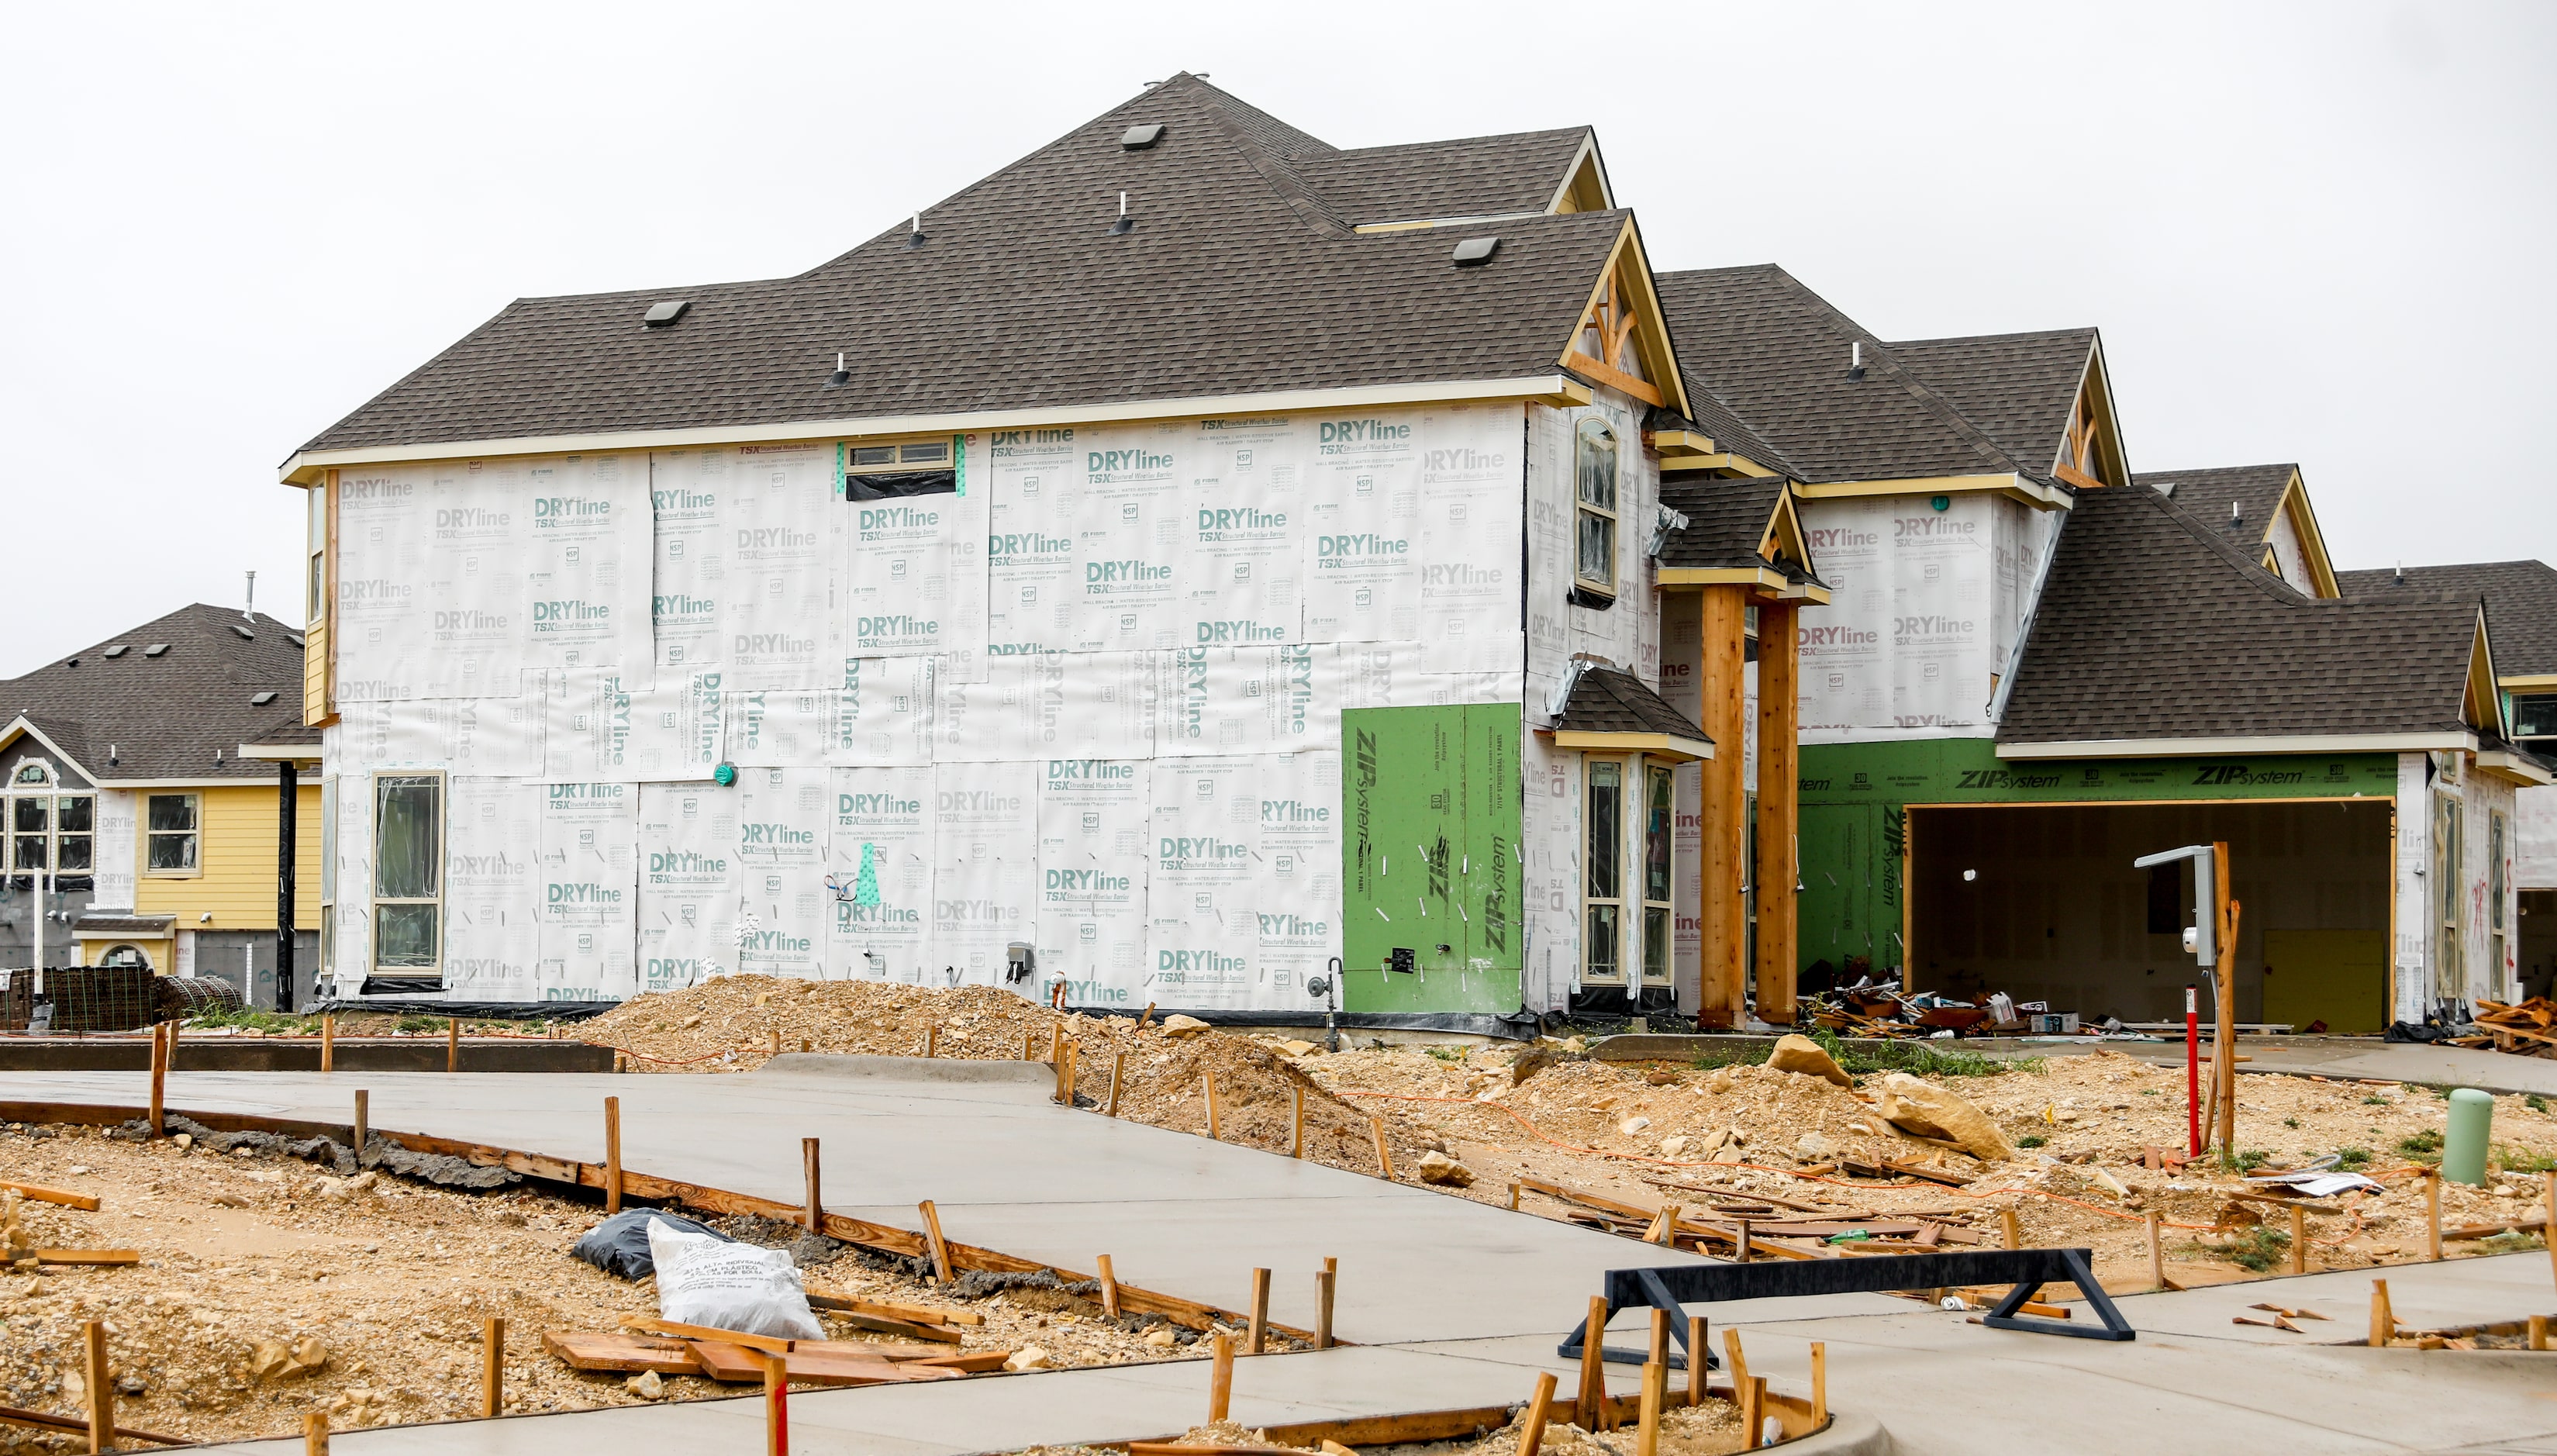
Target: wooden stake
[(1591, 1408), (492, 1367), (932, 1040), (2157, 1256), (1660, 1347), (1753, 1406), (2539, 1332), (452, 1043), (1207, 1083), (2433, 1216), (1738, 1362), (1820, 1384), (806, 1045), (1664, 1229), (815, 1217), (2299, 1240), (1109, 1288), (1539, 1406), (363, 1119), (1073, 1055), (1697, 1358), (1384, 1155), (2224, 1013), (612, 1155), (1057, 1041), (932, 1238), (101, 1389), (1740, 1246), (2549, 1227), (2382, 1322), (1646, 1436), (2007, 1224), (776, 1404), (315, 1435), (327, 1041), (1029, 1044), (1326, 1282), (1220, 1380), (1118, 1075), (159, 1081), (776, 1041), (1514, 1197), (1257, 1338), (1297, 1120)]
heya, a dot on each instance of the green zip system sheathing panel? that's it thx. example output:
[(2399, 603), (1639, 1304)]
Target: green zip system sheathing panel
[(1430, 857), (1855, 799)]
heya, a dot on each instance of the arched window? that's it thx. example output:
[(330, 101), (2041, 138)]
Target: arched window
[(126, 956), (47, 829)]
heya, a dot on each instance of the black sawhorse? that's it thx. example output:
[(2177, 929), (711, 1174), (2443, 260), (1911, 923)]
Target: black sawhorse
[(1678, 1285)]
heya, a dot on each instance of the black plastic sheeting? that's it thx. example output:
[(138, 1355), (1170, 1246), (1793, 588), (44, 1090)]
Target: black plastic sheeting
[(467, 1010), (619, 1245), (897, 484)]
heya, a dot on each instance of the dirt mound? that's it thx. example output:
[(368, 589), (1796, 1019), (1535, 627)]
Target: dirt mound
[(728, 1025)]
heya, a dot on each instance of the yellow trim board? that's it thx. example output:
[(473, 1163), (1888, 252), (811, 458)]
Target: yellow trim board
[(1687, 442), (1764, 578), (2513, 768), (1658, 745), (1423, 224), (1554, 389), (2295, 499), (1719, 461), (2030, 492), (2531, 681)]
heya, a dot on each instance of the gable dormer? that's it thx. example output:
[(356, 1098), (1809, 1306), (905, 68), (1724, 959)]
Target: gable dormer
[(1621, 340), (2090, 447)]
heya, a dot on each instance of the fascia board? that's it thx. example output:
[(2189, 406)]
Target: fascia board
[(2271, 743), (1552, 387)]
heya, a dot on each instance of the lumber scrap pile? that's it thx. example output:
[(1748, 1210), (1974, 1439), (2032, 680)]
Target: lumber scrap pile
[(2529, 1029), (731, 1357), (1747, 1225)]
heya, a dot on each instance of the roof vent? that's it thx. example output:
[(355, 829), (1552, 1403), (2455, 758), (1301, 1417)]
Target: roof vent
[(155, 649), (245, 634), (262, 699), (2401, 575), (2234, 515), (2167, 489), (914, 233), (1140, 138), (1474, 252), (842, 377), (114, 653), (72, 662), (1126, 223), (664, 314), (1855, 359)]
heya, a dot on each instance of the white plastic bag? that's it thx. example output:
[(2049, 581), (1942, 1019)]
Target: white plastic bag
[(702, 1281)]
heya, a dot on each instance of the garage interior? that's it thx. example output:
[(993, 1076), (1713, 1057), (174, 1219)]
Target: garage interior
[(2042, 902)]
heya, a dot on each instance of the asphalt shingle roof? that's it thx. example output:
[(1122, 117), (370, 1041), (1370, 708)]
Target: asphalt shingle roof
[(1475, 176), (1725, 520), (1241, 276), (1606, 700), (2155, 627), (1776, 354), (2520, 604), (2018, 388), (167, 716), (2207, 494)]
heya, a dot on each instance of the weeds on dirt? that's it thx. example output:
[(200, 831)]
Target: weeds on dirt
[(1919, 1058), (2421, 1144), (2351, 1159), (2536, 1103), (2523, 1161), (2251, 1158), (2260, 1248), (250, 1018), (2031, 1139)]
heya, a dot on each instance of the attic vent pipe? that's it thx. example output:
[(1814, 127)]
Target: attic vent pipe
[(2401, 574), (1855, 359), (2234, 515), (1124, 222), (914, 233), (842, 377)]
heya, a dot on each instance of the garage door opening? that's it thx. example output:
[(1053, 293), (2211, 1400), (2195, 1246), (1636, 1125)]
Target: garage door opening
[(2042, 902)]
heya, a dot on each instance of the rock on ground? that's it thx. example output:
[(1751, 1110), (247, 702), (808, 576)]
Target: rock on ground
[(1915, 1105), (1796, 1052)]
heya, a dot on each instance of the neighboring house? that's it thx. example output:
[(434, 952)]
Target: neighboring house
[(2520, 599), (2029, 674), (138, 830), (1180, 599)]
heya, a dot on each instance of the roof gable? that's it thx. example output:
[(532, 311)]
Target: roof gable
[(2244, 502), (2521, 599), (1621, 340), (1523, 172), (2043, 397), (181, 714), (1240, 273)]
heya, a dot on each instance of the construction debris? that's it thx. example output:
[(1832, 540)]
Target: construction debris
[(2529, 1029)]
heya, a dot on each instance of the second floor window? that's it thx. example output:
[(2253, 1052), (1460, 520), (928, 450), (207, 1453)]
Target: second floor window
[(1593, 477), (172, 827)]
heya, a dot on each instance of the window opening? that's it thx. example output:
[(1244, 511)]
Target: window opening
[(1660, 817), (2497, 886), (2450, 977), (174, 831), (1593, 473), (46, 830), (1603, 908), (2535, 716), (408, 872)]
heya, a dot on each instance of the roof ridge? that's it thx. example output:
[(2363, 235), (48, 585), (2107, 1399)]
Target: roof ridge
[(1918, 389), (1274, 167), (2086, 329)]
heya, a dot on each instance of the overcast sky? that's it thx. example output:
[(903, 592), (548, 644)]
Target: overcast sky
[(2310, 232)]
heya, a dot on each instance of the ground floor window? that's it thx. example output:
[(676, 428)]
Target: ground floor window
[(125, 955), (328, 876), (174, 831), (408, 872), (1602, 912), (1660, 821), (2445, 873)]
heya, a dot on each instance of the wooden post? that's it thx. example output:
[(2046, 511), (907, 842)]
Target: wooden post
[(452, 1043), (1697, 1357), (1220, 1378), (1326, 1283), (776, 1042), (776, 1404), (2007, 1226), (1029, 1044), (1514, 1197), (1057, 1041), (101, 1388), (932, 1240), (1774, 873), (932, 1040), (363, 1119), (1647, 1435), (1384, 1155), (613, 1155), (1118, 1075), (2299, 1240), (1657, 1352), (1753, 1408), (159, 1080), (1073, 1053), (815, 1217), (1740, 1248), (315, 1433), (2225, 1026), (1257, 1338), (1820, 1384), (1296, 1120), (2538, 1332), (327, 1041), (1108, 1287), (1593, 1404), (2433, 1215), (2383, 1322), (2548, 1229), (492, 1367), (1538, 1407), (2157, 1255), (1723, 989), (1207, 1084), (1738, 1362)]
